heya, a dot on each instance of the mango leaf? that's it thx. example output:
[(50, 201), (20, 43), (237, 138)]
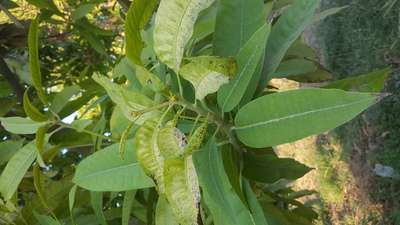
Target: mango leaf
[(225, 206), (71, 198), (208, 73), (269, 168), (329, 12), (182, 189), (105, 171), (292, 115), (127, 206), (289, 27), (254, 205), (34, 64), (164, 214), (45, 220), (96, 199), (137, 17), (295, 67), (148, 153), (236, 22), (31, 110), (248, 58), (20, 125), (8, 149), (174, 27), (61, 99), (130, 102), (148, 79), (80, 125), (15, 170), (44, 4), (371, 82), (81, 11)]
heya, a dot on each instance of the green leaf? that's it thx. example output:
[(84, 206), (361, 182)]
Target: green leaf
[(20, 125), (329, 12), (71, 198), (81, 11), (15, 170), (248, 59), (294, 67), (34, 63), (371, 82), (105, 171), (208, 73), (284, 33), (44, 4), (237, 20), (8, 149), (127, 206), (45, 220), (269, 168), (254, 205), (31, 110), (96, 199), (225, 206), (138, 16), (80, 125), (164, 214), (174, 27), (62, 98), (288, 116)]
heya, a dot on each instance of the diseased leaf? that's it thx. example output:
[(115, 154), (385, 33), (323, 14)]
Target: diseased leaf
[(270, 120), (20, 125), (148, 79), (248, 58), (225, 206), (148, 152), (289, 27), (34, 63), (164, 214), (371, 82), (15, 170), (32, 111), (96, 199), (269, 168), (174, 27), (105, 171), (236, 22), (137, 17), (208, 73), (182, 189), (131, 103)]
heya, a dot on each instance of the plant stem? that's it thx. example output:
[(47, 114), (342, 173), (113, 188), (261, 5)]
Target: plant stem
[(214, 118)]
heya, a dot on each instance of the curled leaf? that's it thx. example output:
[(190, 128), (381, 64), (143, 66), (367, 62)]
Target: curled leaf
[(171, 142), (147, 151), (182, 189), (32, 111), (208, 74), (174, 27)]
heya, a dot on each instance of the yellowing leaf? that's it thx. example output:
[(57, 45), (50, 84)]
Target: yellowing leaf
[(174, 27), (148, 79), (138, 16), (182, 189), (207, 74), (171, 142), (148, 153)]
